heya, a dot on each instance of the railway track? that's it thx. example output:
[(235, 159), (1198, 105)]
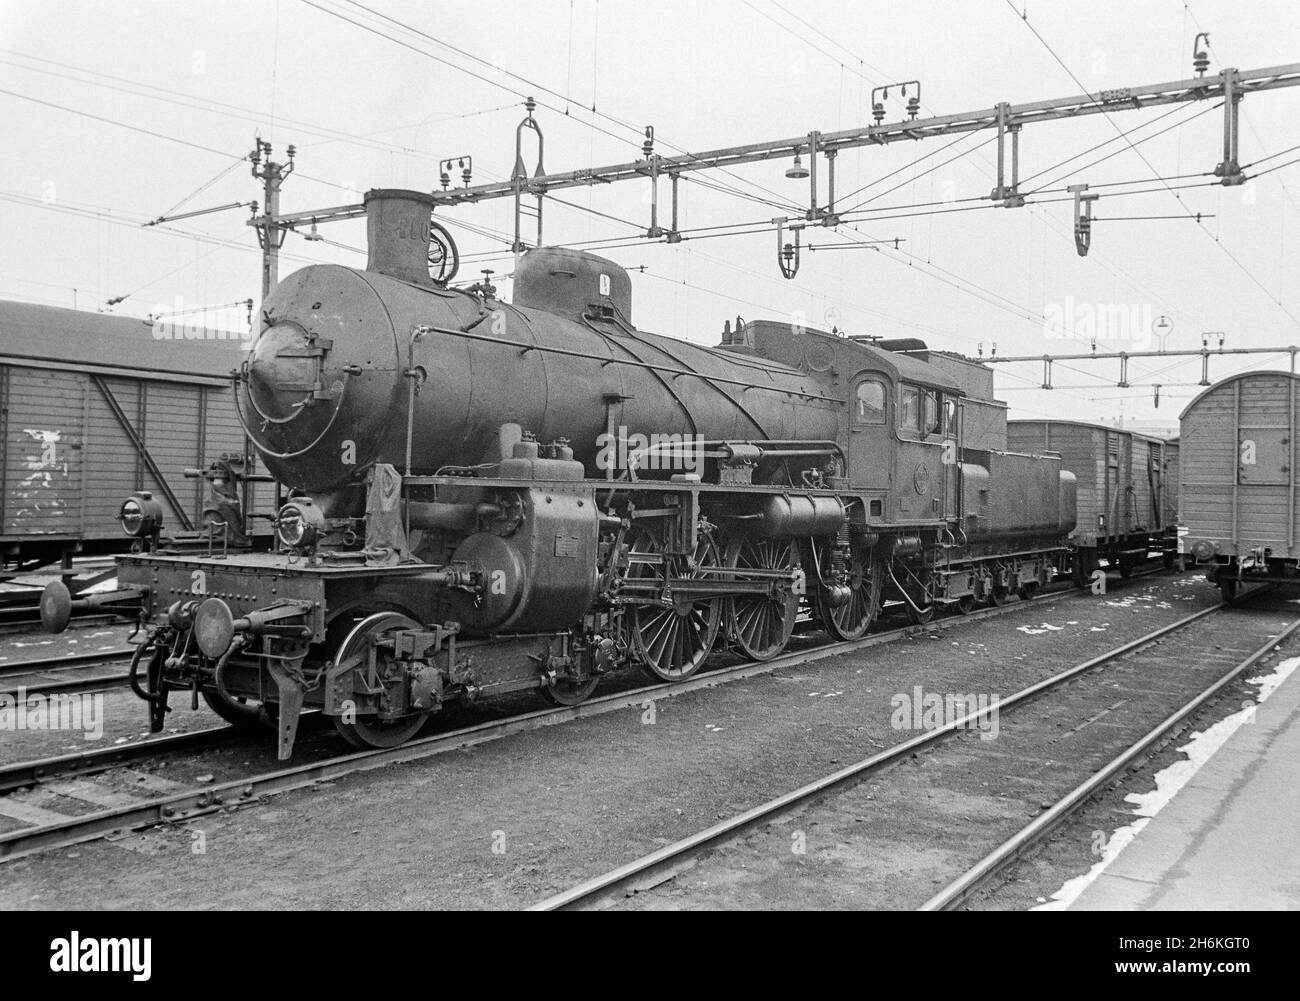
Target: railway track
[(47, 771), (43, 799), (65, 675), (713, 844), (978, 876)]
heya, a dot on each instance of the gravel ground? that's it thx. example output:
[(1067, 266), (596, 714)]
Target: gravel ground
[(509, 822), (895, 838), (1074, 847)]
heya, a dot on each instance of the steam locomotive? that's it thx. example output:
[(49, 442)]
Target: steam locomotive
[(486, 497)]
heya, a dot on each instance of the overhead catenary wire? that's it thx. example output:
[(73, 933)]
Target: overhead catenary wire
[(1118, 152), (326, 134), (1046, 217), (537, 87), (1155, 173)]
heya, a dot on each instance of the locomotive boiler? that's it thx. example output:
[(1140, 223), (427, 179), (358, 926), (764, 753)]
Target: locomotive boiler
[(351, 361), (486, 497)]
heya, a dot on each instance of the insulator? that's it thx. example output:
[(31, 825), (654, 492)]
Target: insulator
[(787, 252), (446, 180), (1201, 57), (878, 112), (465, 176), (913, 106)]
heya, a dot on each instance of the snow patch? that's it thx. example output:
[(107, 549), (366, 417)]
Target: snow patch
[(1200, 749)]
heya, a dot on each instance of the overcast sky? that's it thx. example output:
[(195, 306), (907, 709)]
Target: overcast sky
[(148, 102)]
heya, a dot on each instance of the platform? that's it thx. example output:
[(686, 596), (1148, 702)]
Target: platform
[(1226, 840)]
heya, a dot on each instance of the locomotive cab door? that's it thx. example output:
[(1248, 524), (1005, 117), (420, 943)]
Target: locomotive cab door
[(871, 455)]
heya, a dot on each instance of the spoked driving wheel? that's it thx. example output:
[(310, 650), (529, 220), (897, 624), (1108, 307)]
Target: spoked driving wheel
[(761, 624), (848, 617), (672, 640), (362, 644)]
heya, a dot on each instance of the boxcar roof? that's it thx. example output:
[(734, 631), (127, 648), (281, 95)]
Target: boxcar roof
[(101, 340), (1240, 377), (1093, 426)]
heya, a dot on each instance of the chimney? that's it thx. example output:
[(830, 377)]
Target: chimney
[(397, 234)]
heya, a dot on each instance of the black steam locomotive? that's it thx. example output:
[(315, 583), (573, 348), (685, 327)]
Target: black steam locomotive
[(486, 497)]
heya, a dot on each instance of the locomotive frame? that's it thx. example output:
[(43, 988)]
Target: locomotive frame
[(503, 557)]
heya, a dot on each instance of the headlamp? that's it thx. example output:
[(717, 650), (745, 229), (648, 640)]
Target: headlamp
[(300, 524), (140, 515)]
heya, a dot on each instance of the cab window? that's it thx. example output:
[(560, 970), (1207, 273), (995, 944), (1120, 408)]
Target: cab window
[(949, 417), (869, 402), (909, 409), (930, 414)]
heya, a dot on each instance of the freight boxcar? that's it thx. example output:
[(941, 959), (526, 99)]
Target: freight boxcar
[(94, 408), (1127, 489), (1238, 480)]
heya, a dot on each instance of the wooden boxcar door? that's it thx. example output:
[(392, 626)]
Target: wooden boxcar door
[(1156, 481), (1266, 488), (1111, 496), (42, 454)]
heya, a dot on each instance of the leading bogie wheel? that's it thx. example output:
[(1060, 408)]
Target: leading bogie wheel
[(242, 712), (564, 691), (370, 730)]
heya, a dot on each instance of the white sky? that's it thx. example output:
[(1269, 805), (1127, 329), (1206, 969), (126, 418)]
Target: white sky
[(366, 111)]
